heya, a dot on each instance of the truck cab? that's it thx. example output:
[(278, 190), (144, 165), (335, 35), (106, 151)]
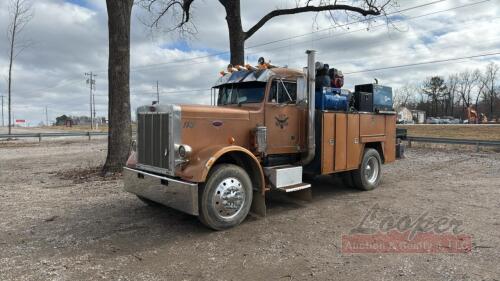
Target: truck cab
[(262, 133)]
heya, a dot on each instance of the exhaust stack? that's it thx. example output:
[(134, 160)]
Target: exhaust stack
[(311, 85)]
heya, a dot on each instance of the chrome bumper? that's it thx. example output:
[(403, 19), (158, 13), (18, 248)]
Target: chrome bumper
[(180, 195)]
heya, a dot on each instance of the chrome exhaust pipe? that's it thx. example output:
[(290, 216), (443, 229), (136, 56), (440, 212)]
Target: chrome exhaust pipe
[(311, 85)]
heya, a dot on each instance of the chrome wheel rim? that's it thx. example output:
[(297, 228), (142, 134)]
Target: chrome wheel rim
[(229, 198), (372, 169)]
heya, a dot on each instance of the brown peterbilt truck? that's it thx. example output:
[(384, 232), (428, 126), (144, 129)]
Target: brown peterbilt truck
[(263, 134)]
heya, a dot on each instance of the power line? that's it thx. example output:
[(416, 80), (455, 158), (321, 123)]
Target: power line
[(174, 63), (423, 63), (373, 27), (159, 65), (349, 23), (377, 69), (136, 68), (405, 55)]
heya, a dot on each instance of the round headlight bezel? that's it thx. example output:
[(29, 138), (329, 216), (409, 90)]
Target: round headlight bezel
[(184, 151)]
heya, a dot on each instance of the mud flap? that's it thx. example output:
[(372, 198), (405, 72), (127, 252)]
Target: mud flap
[(258, 204)]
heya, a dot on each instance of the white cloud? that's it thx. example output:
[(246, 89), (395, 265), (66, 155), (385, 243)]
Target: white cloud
[(71, 40)]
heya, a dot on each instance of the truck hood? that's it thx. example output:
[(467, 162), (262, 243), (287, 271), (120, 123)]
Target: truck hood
[(211, 112)]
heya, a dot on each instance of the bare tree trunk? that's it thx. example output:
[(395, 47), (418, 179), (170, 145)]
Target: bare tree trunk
[(120, 132), (237, 36), (492, 101), (9, 89), (21, 14), (12, 37), (452, 101)]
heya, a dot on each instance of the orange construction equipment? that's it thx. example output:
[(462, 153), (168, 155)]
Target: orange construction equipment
[(475, 118)]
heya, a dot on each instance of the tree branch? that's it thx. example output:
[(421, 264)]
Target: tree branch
[(372, 10), (165, 7)]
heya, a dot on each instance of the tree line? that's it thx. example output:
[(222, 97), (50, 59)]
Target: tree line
[(442, 96)]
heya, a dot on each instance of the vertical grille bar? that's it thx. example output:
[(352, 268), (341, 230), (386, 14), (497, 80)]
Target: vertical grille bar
[(164, 140), (153, 139)]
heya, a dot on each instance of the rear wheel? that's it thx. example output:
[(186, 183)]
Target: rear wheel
[(368, 176), (226, 197)]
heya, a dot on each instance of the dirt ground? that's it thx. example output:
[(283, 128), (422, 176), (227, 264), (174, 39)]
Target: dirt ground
[(56, 227)]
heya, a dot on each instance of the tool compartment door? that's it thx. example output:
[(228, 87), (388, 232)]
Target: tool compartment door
[(371, 125), (390, 142), (328, 143), (353, 143), (340, 141)]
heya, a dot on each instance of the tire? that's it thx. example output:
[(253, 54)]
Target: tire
[(368, 176), (225, 198), (148, 202)]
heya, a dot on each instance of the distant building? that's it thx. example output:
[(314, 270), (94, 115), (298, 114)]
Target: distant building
[(407, 116), (404, 115), (418, 116)]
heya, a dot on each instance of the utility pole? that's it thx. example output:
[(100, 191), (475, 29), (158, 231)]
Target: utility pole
[(157, 92), (46, 116), (91, 82), (2, 111), (93, 105)]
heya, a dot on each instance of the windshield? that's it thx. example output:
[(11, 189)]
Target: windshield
[(240, 93)]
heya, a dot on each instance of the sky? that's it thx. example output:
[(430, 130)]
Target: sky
[(69, 38)]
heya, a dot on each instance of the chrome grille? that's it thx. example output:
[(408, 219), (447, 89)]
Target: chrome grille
[(153, 141)]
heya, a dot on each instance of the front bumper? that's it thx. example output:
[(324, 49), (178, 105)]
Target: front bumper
[(180, 195)]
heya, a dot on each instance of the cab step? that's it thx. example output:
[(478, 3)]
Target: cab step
[(286, 178), (293, 188)]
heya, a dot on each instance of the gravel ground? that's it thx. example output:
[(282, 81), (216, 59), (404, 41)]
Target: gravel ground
[(55, 227)]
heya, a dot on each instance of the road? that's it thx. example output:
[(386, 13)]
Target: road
[(59, 223)]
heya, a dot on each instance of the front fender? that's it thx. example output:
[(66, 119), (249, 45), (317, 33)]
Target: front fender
[(201, 163)]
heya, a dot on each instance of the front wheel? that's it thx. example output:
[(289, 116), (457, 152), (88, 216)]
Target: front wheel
[(368, 176), (226, 197)]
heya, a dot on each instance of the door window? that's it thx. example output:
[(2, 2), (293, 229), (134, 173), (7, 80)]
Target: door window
[(283, 92)]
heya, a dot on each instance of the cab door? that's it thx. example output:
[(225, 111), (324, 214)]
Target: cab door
[(284, 119)]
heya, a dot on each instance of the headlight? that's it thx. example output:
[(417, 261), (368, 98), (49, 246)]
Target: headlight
[(184, 151)]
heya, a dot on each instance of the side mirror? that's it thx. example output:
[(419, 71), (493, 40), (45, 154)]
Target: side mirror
[(301, 89)]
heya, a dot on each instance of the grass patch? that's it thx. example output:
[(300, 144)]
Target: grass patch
[(454, 131)]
